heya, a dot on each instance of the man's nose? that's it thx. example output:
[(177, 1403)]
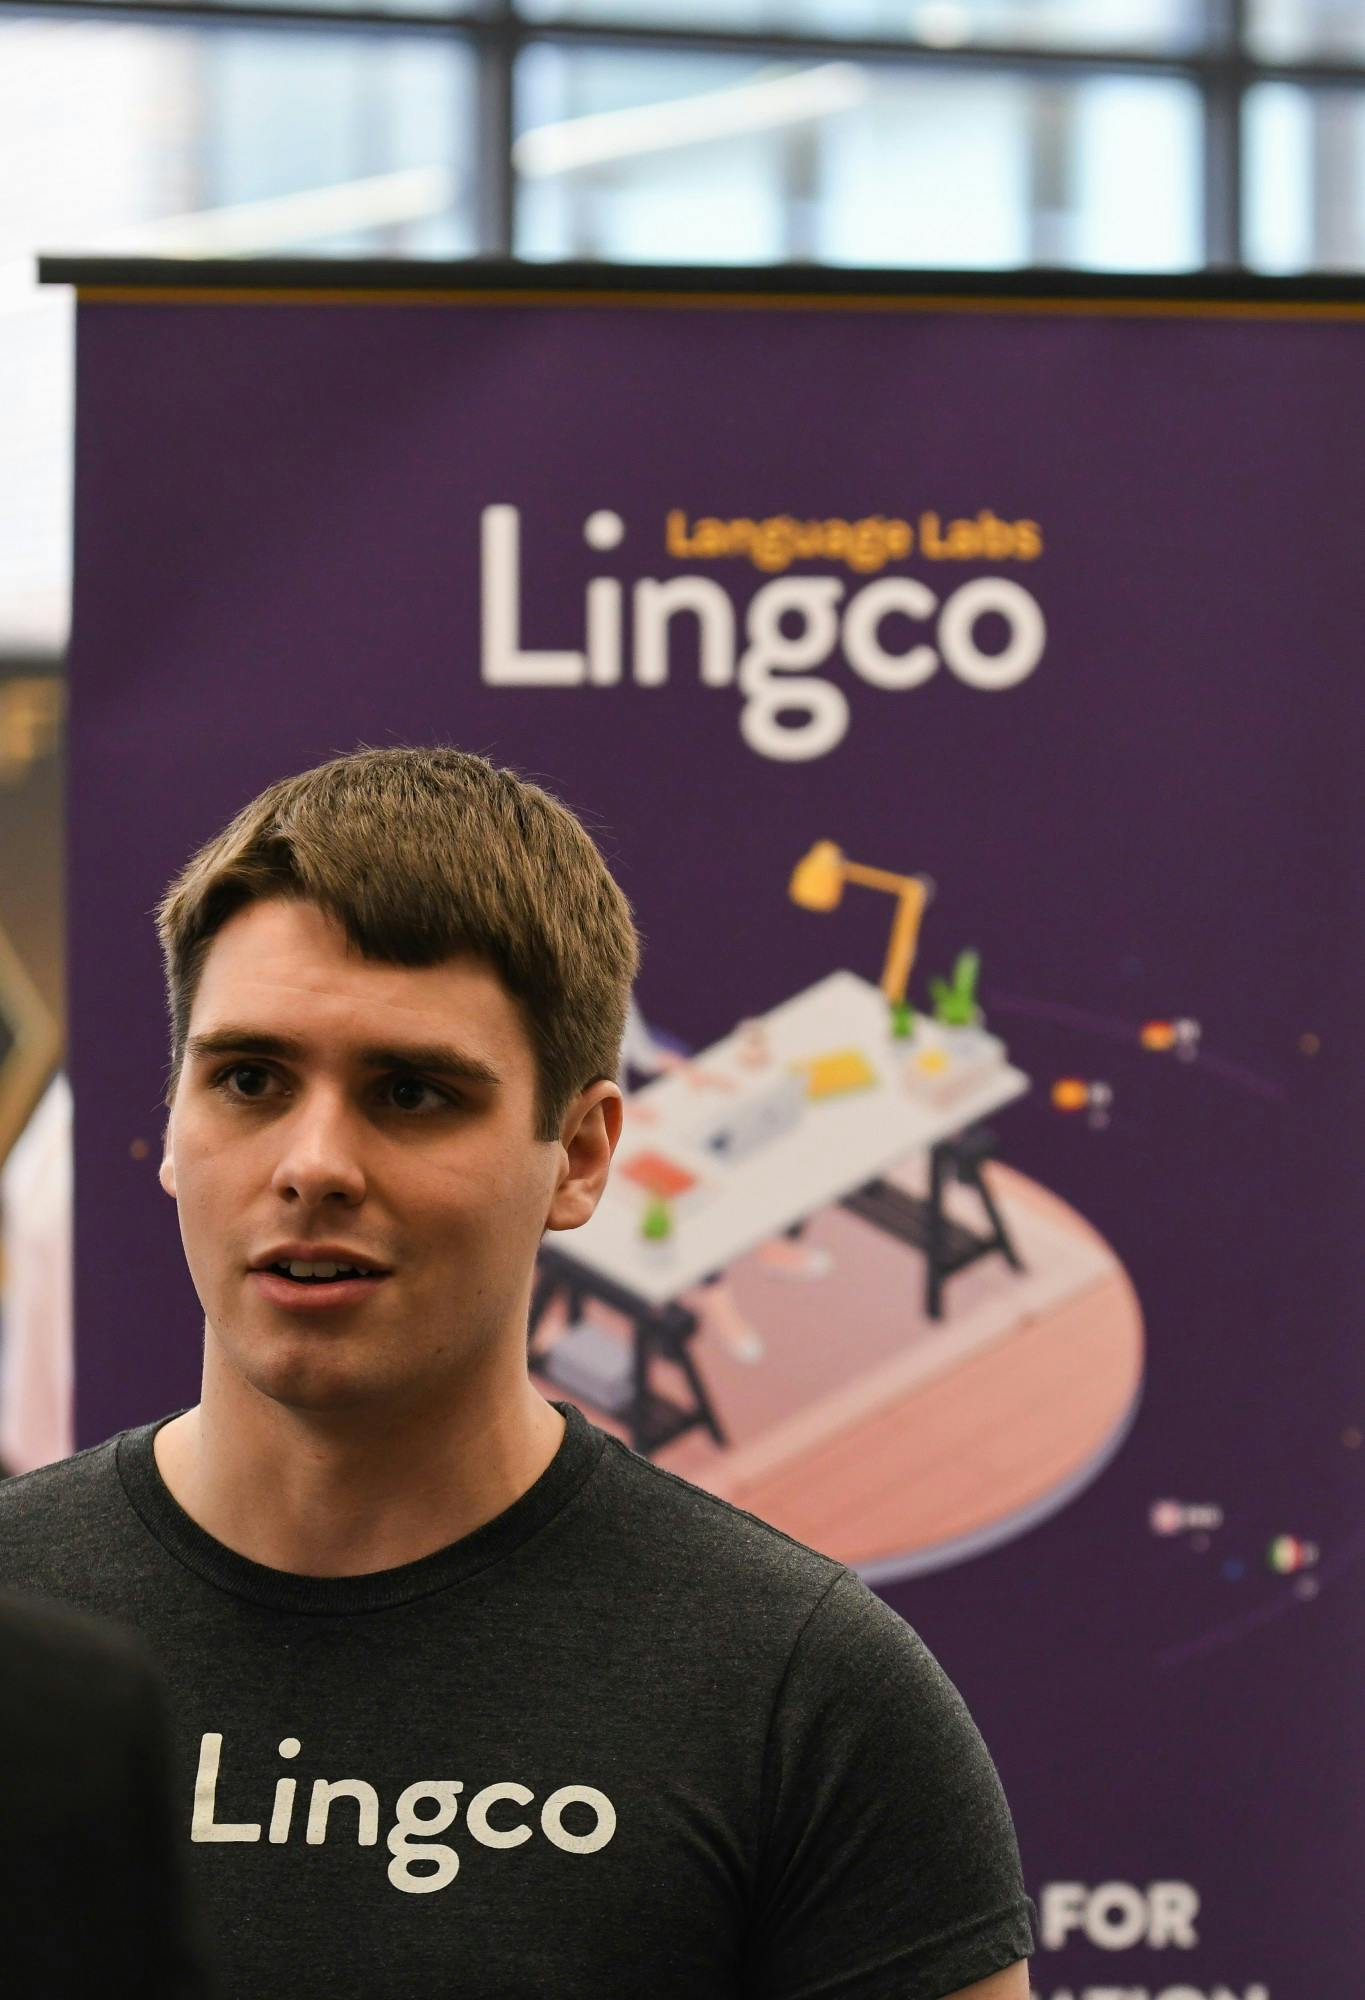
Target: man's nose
[(321, 1150)]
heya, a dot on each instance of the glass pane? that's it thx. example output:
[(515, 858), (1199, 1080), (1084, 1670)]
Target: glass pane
[(1161, 26), (1305, 179), (1306, 30), (162, 141), (707, 159), (646, 157)]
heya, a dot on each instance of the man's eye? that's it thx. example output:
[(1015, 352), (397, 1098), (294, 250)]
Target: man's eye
[(224, 1077), (415, 1083), (249, 1083)]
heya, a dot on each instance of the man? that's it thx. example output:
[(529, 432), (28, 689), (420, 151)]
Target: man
[(471, 1699), (92, 1891)]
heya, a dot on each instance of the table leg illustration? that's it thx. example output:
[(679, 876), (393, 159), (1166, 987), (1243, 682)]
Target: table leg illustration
[(948, 1247), (913, 1410), (589, 1363)]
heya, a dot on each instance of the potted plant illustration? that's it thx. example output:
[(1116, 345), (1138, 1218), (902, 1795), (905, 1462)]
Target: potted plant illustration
[(955, 1000), (956, 1009), (657, 1224)]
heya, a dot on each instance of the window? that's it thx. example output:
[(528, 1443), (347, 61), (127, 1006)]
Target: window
[(975, 134)]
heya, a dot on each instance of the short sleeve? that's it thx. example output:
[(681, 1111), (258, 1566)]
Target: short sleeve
[(889, 1868)]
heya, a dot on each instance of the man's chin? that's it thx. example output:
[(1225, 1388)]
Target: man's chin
[(300, 1377)]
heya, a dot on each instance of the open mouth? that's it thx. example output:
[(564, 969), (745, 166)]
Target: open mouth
[(327, 1274)]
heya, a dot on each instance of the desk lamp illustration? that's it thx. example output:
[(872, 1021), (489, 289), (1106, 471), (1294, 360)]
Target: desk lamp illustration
[(817, 883)]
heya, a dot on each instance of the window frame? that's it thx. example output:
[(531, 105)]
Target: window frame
[(1223, 71)]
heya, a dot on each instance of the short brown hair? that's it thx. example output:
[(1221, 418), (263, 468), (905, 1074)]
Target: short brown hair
[(424, 855)]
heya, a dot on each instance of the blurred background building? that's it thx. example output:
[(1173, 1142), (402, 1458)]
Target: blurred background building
[(1121, 135)]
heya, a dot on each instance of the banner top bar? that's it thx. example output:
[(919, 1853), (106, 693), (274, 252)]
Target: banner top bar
[(118, 280)]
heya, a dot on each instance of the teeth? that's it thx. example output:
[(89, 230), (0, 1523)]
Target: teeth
[(300, 1270)]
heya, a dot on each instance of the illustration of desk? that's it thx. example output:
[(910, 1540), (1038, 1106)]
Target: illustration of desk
[(807, 1107)]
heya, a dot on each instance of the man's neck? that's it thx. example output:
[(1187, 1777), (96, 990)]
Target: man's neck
[(293, 1494)]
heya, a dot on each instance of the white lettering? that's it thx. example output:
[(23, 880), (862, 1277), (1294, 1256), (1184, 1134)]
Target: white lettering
[(1256, 1991), (770, 651), (365, 1796), (604, 529), (419, 1863), (1174, 1907), (604, 632), (406, 1851), (552, 1820), (1061, 1910), (504, 664), (202, 1825), (771, 655), (476, 1815), (862, 645), (656, 603), (1117, 1915), (957, 633), (283, 1812)]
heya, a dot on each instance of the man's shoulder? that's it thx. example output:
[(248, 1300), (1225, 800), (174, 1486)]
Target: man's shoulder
[(712, 1565), (56, 1521), (63, 1484), (690, 1534)]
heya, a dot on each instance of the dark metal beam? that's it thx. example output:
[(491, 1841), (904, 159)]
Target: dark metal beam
[(1224, 99), (239, 13), (495, 195), (813, 282), (496, 22)]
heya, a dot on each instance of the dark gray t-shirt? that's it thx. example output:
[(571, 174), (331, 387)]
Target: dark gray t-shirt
[(622, 1740)]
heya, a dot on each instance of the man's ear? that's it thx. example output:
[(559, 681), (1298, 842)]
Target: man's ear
[(166, 1171), (589, 1138)]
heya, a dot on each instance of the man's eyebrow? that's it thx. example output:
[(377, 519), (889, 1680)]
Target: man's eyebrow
[(437, 1058)]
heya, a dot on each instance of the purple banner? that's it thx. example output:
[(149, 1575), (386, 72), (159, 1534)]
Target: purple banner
[(997, 662)]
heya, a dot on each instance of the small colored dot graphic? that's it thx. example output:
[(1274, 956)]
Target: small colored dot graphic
[(1287, 1554)]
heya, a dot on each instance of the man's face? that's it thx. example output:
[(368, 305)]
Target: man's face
[(437, 1178)]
